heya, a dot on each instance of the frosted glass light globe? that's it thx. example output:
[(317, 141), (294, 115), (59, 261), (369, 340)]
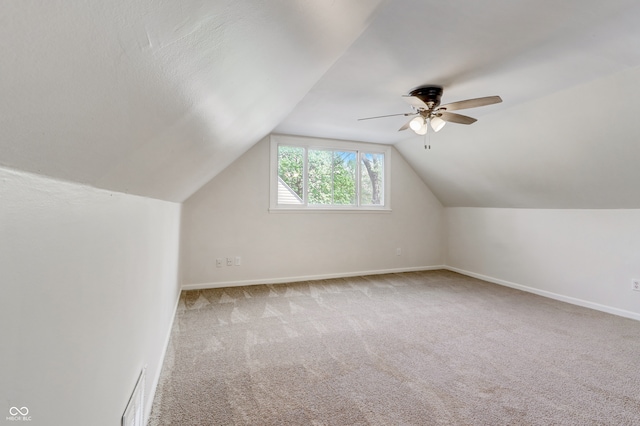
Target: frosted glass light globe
[(422, 130), (437, 123), (416, 123)]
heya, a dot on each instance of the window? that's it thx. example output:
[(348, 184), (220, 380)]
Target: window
[(321, 174)]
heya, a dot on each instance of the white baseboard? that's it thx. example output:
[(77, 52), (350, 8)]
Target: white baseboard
[(550, 295), (282, 280), (156, 378)]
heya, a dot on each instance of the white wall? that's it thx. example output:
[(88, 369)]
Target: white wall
[(587, 257), (89, 284), (229, 217)]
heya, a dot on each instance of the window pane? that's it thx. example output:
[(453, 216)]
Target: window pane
[(371, 179), (344, 178), (320, 177), (332, 177), (290, 174)]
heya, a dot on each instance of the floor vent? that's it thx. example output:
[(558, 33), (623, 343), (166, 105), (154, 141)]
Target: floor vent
[(134, 413)]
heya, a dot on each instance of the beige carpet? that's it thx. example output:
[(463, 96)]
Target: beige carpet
[(423, 348)]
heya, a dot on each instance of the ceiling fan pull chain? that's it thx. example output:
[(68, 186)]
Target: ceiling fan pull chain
[(427, 145)]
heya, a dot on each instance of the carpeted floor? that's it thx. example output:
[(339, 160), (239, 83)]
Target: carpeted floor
[(419, 348)]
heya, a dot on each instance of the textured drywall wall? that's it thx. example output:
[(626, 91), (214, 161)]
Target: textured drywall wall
[(89, 285), (583, 256), (229, 217)]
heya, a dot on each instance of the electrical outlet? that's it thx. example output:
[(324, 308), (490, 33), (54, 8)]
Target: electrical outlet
[(635, 284), (218, 263), (229, 261)]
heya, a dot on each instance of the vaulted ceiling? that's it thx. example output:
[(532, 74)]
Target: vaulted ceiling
[(156, 98)]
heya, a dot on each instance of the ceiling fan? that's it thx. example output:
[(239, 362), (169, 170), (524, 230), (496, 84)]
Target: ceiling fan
[(427, 110)]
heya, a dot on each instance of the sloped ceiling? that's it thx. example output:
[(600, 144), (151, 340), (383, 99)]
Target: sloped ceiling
[(156, 98), (565, 135)]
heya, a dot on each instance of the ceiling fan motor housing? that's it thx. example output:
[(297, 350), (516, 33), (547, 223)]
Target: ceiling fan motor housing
[(430, 95)]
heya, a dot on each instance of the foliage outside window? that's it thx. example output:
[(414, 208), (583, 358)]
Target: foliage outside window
[(320, 174)]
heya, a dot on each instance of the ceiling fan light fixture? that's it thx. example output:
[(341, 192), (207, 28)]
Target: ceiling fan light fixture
[(417, 123), (425, 102), (437, 124), (422, 130)]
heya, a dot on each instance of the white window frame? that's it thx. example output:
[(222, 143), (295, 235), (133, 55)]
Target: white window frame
[(328, 144)]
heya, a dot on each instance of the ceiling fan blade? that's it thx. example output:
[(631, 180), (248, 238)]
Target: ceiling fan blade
[(456, 118), (406, 114), (415, 102), (405, 126), (471, 103)]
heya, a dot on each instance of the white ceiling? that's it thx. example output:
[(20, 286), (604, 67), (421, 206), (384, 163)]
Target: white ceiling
[(156, 98)]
